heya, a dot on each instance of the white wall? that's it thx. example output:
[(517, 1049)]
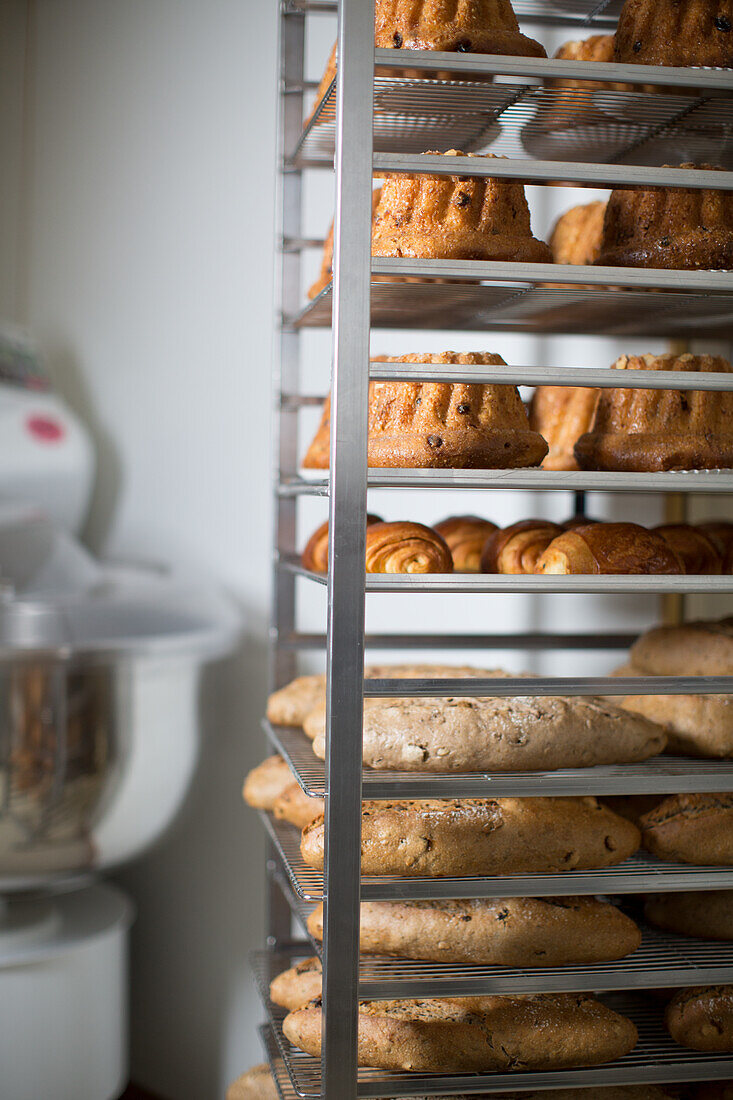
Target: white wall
[(150, 264)]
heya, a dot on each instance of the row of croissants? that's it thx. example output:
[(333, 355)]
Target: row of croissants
[(470, 544)]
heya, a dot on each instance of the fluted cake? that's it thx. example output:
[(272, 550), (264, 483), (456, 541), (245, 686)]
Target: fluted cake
[(675, 32)]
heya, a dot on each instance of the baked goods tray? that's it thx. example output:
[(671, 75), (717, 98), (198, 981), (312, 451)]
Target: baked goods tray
[(538, 585), (674, 481), (656, 1058), (660, 775), (522, 115), (638, 875), (536, 310), (595, 14), (662, 960)]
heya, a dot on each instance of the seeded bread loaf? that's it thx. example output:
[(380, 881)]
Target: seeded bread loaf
[(706, 915), (291, 705), (265, 783), (295, 806), (691, 828), (478, 836), (256, 1084), (495, 931), (701, 1018), (477, 1034), (497, 735)]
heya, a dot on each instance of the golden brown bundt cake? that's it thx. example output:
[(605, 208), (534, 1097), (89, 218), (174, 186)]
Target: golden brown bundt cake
[(326, 273), (599, 47), (675, 32), (436, 424), (561, 414), (577, 234), (466, 26), (648, 430), (665, 227), (455, 218)]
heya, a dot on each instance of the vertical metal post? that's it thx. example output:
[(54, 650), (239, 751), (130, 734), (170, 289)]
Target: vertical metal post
[(286, 370), (347, 518)]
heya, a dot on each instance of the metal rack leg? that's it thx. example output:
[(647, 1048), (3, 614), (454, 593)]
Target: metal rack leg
[(347, 517)]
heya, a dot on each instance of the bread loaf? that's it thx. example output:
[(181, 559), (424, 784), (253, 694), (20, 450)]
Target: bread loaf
[(256, 1084), (691, 828), (522, 932), (701, 1018), (295, 806), (265, 783), (609, 548), (693, 649), (476, 836), (496, 735), (706, 914), (477, 1034), (695, 725), (297, 986)]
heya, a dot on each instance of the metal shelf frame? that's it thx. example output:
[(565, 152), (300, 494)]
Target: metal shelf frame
[(486, 297)]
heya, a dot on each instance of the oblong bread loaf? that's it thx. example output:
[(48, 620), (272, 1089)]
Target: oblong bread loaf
[(704, 914), (695, 725), (522, 932), (701, 1018), (265, 783), (691, 828), (694, 649), (298, 985), (477, 1034), (256, 1084), (498, 735), (484, 837), (295, 806)]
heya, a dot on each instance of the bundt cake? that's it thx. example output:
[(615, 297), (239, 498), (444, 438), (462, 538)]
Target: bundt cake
[(599, 47), (561, 414), (465, 26), (455, 218), (649, 430), (326, 273), (669, 228), (675, 32), (436, 424), (576, 236)]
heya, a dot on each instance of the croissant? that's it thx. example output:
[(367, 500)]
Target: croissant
[(516, 549), (609, 548), (466, 536), (694, 548), (406, 548), (561, 414), (315, 555), (577, 521), (720, 533)]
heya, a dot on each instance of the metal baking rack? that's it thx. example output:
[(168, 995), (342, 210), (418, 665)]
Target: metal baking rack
[(588, 136), (656, 1059)]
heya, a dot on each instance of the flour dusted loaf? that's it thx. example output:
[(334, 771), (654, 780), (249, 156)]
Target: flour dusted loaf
[(265, 783), (495, 931), (477, 1034), (706, 914), (691, 828), (497, 735), (701, 1018), (696, 725), (483, 836), (693, 649), (256, 1084)]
